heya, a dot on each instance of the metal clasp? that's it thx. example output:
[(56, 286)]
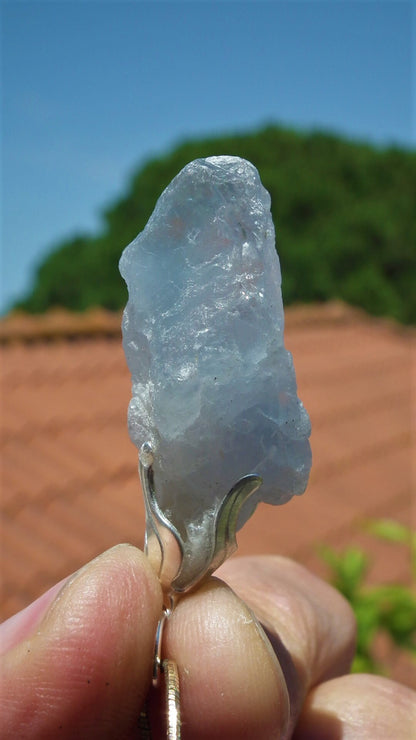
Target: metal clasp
[(164, 545)]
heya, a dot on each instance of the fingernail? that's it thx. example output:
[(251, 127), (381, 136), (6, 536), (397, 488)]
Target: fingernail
[(23, 624)]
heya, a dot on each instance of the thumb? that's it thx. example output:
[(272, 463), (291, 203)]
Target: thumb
[(85, 669)]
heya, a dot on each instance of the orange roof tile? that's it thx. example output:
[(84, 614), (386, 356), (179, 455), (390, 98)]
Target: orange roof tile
[(69, 471)]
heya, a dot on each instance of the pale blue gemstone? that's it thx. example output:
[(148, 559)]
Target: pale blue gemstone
[(214, 389)]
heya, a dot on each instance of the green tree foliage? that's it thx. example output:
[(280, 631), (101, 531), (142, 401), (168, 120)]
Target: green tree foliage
[(344, 214), (388, 608)]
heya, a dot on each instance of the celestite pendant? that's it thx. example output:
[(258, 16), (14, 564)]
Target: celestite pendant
[(214, 408)]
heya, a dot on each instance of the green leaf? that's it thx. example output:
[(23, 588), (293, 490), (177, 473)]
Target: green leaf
[(348, 569), (390, 530), (365, 664)]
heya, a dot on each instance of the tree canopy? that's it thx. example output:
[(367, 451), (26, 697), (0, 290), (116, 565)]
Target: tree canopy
[(344, 214)]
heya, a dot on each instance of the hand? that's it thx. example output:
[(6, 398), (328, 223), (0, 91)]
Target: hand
[(82, 668)]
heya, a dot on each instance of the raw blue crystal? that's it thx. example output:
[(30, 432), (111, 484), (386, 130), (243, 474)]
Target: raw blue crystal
[(214, 389)]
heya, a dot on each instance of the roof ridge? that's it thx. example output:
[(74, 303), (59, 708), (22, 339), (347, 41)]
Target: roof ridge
[(59, 323)]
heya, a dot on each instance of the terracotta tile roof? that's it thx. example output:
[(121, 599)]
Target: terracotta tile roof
[(69, 472)]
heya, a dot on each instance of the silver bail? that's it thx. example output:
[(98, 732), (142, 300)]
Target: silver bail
[(164, 545)]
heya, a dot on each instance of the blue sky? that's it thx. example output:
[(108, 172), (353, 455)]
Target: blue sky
[(92, 89)]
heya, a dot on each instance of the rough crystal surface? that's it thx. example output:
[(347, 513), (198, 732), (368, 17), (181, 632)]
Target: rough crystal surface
[(213, 387)]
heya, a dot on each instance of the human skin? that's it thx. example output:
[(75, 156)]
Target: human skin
[(78, 662)]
